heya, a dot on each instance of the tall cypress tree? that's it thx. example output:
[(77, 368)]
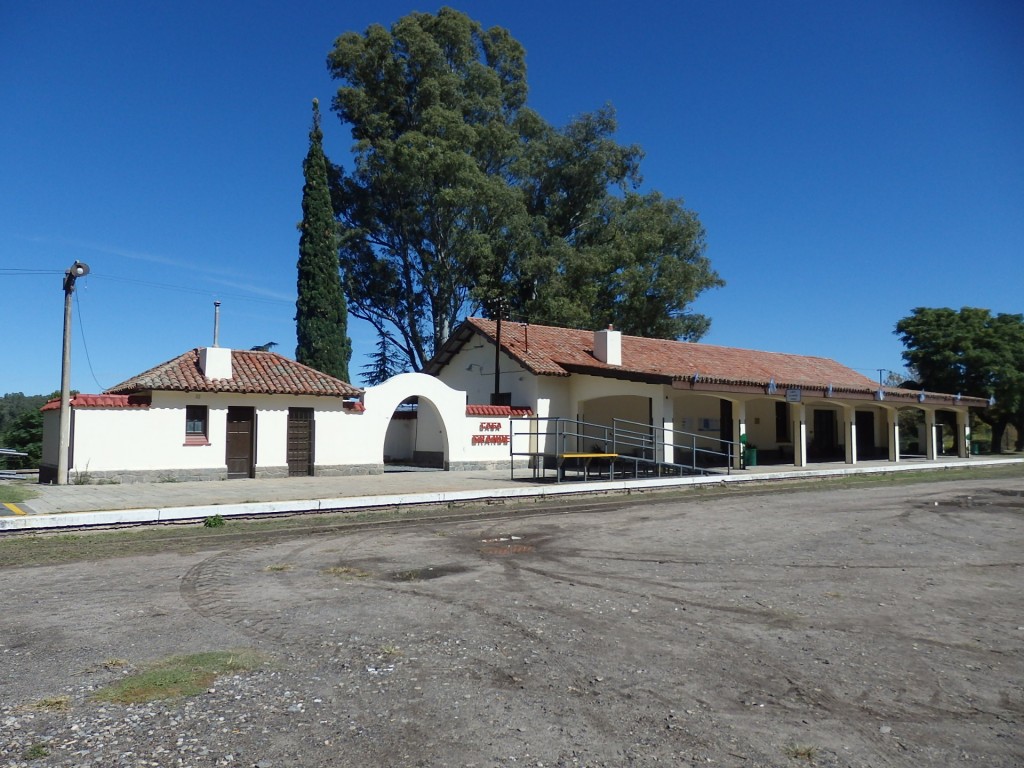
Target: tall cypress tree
[(321, 314)]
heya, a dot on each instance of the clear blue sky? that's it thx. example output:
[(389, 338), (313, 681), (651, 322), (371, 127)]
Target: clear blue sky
[(849, 160)]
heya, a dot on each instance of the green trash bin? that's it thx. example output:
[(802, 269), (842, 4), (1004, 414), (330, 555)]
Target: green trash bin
[(975, 448), (750, 456)]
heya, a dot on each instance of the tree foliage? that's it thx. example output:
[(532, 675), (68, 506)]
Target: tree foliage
[(321, 316), (21, 427), (459, 195), (973, 352), (384, 364)]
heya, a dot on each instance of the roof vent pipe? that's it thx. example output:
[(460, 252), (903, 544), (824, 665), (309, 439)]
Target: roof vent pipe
[(216, 323)]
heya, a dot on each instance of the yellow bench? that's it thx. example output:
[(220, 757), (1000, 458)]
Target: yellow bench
[(586, 458)]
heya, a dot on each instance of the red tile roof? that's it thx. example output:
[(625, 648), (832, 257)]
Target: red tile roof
[(550, 351), (498, 410), (546, 350), (265, 373), (101, 401)]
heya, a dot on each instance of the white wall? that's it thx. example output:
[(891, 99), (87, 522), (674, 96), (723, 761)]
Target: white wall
[(153, 439), (472, 371)]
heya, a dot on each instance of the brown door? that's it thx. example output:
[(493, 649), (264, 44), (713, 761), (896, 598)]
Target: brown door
[(300, 442), (241, 455)]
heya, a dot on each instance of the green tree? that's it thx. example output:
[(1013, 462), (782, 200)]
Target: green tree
[(460, 195), (973, 352), (13, 405), (25, 434), (321, 317), (384, 363)]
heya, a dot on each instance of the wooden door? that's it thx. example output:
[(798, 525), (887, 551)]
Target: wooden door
[(300, 442), (241, 454)]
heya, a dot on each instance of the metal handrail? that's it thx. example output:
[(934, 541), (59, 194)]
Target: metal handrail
[(650, 440), (729, 449)]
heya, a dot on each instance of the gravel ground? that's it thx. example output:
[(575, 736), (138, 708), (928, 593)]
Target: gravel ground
[(879, 626)]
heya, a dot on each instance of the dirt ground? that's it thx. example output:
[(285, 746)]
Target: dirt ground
[(875, 626)]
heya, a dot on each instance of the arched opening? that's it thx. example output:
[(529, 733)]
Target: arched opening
[(913, 440), (628, 416), (416, 437)]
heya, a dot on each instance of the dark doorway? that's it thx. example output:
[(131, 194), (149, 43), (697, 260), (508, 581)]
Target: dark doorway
[(301, 428), (825, 445), (865, 421), (241, 454), (725, 417)]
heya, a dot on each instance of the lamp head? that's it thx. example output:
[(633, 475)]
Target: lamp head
[(79, 269)]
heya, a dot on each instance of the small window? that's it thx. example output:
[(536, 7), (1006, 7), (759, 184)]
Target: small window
[(196, 419)]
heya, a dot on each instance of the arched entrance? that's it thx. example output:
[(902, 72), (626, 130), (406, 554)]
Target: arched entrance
[(416, 436), (416, 417)]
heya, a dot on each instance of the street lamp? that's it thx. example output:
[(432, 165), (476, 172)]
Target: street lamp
[(77, 270)]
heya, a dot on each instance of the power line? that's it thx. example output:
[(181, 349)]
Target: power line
[(158, 285), (197, 291), (85, 346)]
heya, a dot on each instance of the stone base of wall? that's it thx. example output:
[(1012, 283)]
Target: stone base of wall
[(147, 476), (262, 473), (343, 470), (475, 466)]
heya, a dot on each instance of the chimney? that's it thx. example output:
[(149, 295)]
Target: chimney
[(608, 346), (215, 362)]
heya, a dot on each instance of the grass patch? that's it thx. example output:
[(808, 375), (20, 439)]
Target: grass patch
[(801, 752), (178, 676), (214, 521), (12, 493), (52, 704), (36, 751), (279, 567), (347, 572), (390, 651)]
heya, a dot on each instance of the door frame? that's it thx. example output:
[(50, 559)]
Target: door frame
[(251, 453), (310, 452)]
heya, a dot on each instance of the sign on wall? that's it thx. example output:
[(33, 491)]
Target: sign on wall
[(490, 436)]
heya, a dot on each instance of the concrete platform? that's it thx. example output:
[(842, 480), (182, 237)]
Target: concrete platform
[(72, 506)]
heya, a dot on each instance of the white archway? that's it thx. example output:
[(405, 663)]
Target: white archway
[(440, 419)]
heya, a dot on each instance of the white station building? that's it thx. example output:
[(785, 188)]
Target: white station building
[(518, 395)]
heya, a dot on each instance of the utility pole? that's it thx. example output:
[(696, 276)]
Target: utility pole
[(77, 270)]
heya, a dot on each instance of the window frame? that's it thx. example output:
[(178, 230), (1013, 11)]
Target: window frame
[(193, 418)]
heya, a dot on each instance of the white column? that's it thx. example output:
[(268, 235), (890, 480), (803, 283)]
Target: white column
[(963, 428), (668, 423), (931, 447), (892, 425), (850, 432), (739, 429), (798, 414)]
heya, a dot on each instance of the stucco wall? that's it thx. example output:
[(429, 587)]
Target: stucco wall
[(472, 371), (149, 443)]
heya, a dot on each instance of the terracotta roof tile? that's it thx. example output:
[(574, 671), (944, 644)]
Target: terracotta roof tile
[(101, 401), (498, 410), (546, 350), (550, 351), (252, 373)]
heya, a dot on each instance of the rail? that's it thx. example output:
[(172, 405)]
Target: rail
[(561, 443)]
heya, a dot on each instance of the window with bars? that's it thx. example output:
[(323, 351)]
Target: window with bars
[(197, 418)]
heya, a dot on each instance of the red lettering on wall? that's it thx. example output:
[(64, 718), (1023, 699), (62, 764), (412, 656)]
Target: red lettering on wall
[(490, 440)]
